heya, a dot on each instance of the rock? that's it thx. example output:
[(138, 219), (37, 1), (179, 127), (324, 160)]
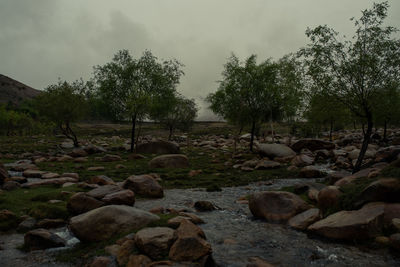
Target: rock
[(382, 240), (101, 261), (109, 158), (329, 197), (78, 152), (387, 154), (11, 185), (337, 175), (39, 239), (302, 220), (158, 147), (124, 197), (395, 241), (112, 250), (71, 174), (385, 189), (170, 161), (96, 168), (92, 149), (144, 185), (55, 181), (189, 249), (104, 190), (258, 262), (188, 229), (302, 160), (349, 179), (102, 223), (276, 206), (50, 175), (125, 251), (267, 164), (27, 224), (311, 172), (80, 203), (3, 174), (101, 180), (351, 225), (155, 242), (50, 223), (312, 144), (33, 173), (275, 150), (138, 261), (204, 206)]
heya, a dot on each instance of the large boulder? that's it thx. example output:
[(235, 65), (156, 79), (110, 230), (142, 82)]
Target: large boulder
[(329, 197), (80, 203), (123, 197), (39, 239), (155, 241), (312, 144), (275, 150), (170, 161), (302, 160), (385, 189), (351, 178), (276, 206), (144, 185), (102, 223), (158, 147), (351, 225), (3, 174)]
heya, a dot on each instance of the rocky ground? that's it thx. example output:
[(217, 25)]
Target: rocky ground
[(244, 209)]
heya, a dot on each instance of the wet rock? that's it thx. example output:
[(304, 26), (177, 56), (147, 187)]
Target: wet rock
[(170, 161), (39, 239), (311, 172), (144, 185), (27, 224), (312, 144), (302, 220), (275, 150), (102, 191), (267, 164), (302, 160), (158, 147), (329, 197), (155, 242), (101, 180), (276, 206), (102, 223), (124, 197), (351, 225), (138, 261), (81, 202), (204, 206)]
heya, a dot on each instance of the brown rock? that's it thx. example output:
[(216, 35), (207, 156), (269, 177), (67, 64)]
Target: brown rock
[(188, 229), (144, 185), (101, 262), (329, 197), (302, 160), (80, 203), (267, 164), (102, 191), (50, 223), (349, 179), (189, 249), (158, 147), (204, 205), (276, 206), (124, 197), (312, 144), (55, 181), (109, 158), (125, 251), (138, 261), (386, 190), (351, 225), (101, 180), (302, 220), (258, 262), (155, 242), (39, 239), (33, 173), (78, 152), (311, 172), (170, 161), (50, 175)]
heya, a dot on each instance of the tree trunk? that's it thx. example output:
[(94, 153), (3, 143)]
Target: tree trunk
[(354, 125), (330, 131), (253, 128), (364, 147), (73, 135), (133, 133), (363, 128), (272, 129), (170, 133)]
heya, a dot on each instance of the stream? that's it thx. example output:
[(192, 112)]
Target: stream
[(233, 232)]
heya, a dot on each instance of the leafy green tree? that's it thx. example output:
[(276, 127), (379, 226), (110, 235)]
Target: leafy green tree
[(63, 103), (180, 114), (131, 87), (355, 71)]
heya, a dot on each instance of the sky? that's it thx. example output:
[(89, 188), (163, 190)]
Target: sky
[(43, 40)]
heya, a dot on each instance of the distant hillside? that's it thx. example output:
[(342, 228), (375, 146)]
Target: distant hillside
[(14, 91)]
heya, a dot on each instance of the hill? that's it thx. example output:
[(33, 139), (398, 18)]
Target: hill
[(14, 91)]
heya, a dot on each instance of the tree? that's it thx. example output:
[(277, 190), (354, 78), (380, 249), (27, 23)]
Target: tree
[(247, 93), (130, 87), (355, 71), (63, 103), (179, 114)]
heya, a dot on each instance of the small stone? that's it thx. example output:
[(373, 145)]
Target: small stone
[(204, 206)]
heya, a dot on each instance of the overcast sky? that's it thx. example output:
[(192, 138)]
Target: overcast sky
[(41, 40)]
